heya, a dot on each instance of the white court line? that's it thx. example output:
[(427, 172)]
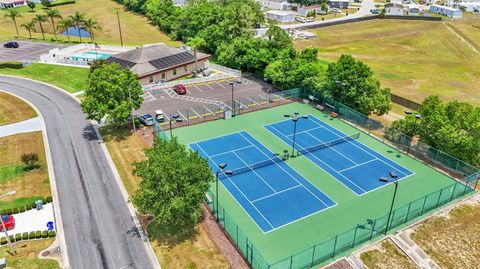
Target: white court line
[(220, 84), (306, 131), (326, 165), (273, 194), (287, 172), (246, 198), (255, 172), (357, 165), (196, 87), (230, 151), (332, 148)]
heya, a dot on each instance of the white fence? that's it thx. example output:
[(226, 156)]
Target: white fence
[(227, 70)]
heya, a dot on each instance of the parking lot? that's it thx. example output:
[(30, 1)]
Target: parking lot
[(208, 100), (26, 50)]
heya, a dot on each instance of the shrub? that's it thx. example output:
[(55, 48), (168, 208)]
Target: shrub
[(31, 235), (52, 233), (12, 65), (3, 241), (55, 4), (48, 199), (30, 160), (45, 234), (25, 236), (18, 237), (38, 234), (12, 238)]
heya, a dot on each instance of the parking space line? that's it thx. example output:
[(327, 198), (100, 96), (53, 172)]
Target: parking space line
[(253, 101), (211, 88), (220, 84), (241, 105), (188, 91), (196, 87), (209, 110), (181, 115), (195, 112)]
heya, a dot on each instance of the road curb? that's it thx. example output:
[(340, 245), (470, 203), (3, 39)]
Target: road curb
[(53, 185)]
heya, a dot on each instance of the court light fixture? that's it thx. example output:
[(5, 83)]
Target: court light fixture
[(295, 117), (394, 179), (222, 165), (383, 179), (393, 174)]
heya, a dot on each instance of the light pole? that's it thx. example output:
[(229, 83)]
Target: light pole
[(394, 179), (417, 117), (173, 118), (233, 101), (221, 167), (295, 117), (10, 246)]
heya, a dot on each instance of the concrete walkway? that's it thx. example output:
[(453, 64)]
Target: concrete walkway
[(33, 220), (26, 126), (413, 251)]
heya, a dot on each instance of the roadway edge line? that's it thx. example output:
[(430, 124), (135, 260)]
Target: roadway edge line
[(53, 186)]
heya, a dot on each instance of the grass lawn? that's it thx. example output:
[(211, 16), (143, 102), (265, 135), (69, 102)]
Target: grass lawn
[(13, 109), (27, 255), (71, 79), (388, 256), (29, 186), (198, 251), (469, 25), (413, 58), (136, 29), (453, 241)]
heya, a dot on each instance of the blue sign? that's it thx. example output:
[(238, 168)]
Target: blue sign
[(50, 225)]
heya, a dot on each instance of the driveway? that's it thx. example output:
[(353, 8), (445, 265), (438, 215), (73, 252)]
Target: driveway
[(26, 126), (98, 228), (33, 220), (26, 50)]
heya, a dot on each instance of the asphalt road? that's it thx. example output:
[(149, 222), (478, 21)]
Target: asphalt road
[(99, 231)]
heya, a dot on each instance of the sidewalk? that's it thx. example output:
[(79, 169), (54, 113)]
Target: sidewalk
[(26, 126)]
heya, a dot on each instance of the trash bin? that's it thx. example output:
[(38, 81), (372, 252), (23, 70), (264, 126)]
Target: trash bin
[(39, 204), (3, 263)]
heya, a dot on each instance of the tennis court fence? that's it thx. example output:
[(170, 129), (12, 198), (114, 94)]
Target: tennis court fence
[(466, 182)]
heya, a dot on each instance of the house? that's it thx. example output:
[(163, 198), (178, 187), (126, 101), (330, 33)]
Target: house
[(275, 4), (280, 15), (338, 3), (393, 9), (305, 10), (451, 12), (12, 3), (158, 62), (413, 9)]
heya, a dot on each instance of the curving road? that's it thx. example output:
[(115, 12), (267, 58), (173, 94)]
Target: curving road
[(99, 231)]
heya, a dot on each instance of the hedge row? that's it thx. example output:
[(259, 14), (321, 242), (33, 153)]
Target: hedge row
[(16, 210), (28, 236), (12, 65), (54, 4)]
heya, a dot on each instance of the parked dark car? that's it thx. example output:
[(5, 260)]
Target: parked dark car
[(11, 44), (147, 119), (9, 222), (180, 89)]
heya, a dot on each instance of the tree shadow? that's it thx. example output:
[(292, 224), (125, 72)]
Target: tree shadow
[(108, 133), (171, 235)]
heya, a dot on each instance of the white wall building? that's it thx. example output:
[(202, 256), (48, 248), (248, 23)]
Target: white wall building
[(339, 3), (413, 9), (275, 4), (393, 9), (12, 3), (305, 10), (451, 12), (280, 15)]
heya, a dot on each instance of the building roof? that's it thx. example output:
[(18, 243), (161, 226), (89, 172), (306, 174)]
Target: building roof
[(280, 12), (311, 7), (11, 1), (154, 58), (445, 8), (393, 5)]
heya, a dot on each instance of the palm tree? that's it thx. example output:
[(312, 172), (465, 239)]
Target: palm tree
[(40, 18), (195, 43), (78, 18), (14, 14), (29, 26), (91, 25), (65, 24), (53, 14)]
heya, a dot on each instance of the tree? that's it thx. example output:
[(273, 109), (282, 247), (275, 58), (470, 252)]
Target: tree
[(98, 63), (450, 127), (90, 25), (324, 7), (29, 26), (77, 19), (53, 14), (113, 92), (351, 82), (195, 43), (46, 3), (30, 160), (40, 18), (13, 14), (31, 5), (65, 24), (173, 184)]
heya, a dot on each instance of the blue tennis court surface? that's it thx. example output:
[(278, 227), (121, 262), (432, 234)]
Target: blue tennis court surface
[(352, 163), (268, 189)]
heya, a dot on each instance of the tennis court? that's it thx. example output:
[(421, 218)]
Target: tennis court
[(352, 163), (269, 190)]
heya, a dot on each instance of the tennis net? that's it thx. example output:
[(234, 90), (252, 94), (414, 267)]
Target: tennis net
[(328, 144), (252, 167)]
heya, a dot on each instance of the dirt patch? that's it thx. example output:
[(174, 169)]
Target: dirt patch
[(13, 109), (386, 256)]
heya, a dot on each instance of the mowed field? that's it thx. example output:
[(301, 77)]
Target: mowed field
[(413, 58), (469, 26), (136, 29)]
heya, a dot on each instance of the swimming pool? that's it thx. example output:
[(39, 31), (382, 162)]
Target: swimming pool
[(90, 55)]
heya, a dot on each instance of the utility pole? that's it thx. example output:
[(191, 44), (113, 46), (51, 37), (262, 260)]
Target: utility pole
[(119, 28)]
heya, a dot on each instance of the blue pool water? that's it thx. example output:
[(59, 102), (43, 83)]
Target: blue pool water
[(91, 55)]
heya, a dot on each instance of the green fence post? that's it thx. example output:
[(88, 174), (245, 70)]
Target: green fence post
[(313, 256), (423, 206), (236, 226), (453, 192), (291, 261), (465, 190), (438, 200), (334, 246), (373, 229), (408, 211), (354, 236), (391, 220)]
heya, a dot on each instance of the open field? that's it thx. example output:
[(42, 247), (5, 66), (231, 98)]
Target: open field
[(27, 255), (136, 29), (453, 241), (29, 186), (13, 109), (195, 252), (469, 25), (413, 58), (388, 256), (71, 79)]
